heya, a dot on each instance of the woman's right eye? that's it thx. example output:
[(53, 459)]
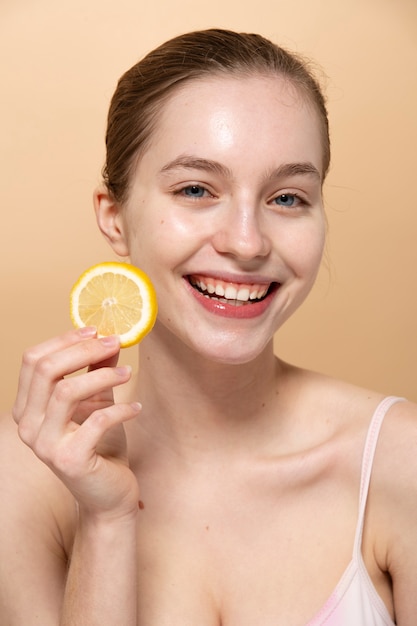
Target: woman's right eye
[(194, 191)]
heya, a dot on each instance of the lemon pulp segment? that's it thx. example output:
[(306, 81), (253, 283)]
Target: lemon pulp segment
[(111, 302), (116, 298)]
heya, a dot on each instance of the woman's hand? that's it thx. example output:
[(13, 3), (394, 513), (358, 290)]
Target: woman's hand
[(72, 423)]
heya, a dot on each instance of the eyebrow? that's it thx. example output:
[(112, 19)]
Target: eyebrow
[(196, 163), (295, 169), (285, 170)]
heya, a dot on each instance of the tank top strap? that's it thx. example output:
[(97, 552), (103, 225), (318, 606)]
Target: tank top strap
[(367, 462)]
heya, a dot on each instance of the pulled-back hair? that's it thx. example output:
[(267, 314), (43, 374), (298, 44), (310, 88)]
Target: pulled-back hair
[(143, 89)]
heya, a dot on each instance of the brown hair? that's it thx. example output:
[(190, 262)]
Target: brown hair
[(146, 86)]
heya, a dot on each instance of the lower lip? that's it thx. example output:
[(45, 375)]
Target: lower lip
[(243, 311)]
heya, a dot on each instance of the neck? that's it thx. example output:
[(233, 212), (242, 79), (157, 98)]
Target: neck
[(194, 405)]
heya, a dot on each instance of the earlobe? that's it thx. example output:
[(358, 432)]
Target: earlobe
[(109, 220)]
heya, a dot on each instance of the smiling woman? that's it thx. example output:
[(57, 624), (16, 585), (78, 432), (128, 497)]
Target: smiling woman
[(235, 227), (164, 500)]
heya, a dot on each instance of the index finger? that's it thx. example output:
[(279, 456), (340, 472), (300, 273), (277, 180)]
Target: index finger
[(32, 355)]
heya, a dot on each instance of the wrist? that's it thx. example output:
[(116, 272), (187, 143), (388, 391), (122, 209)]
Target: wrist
[(88, 517)]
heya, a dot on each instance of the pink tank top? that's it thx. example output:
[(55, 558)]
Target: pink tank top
[(355, 601)]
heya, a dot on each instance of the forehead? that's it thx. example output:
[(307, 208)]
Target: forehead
[(226, 116)]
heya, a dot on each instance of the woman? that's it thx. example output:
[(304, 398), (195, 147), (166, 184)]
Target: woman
[(230, 494)]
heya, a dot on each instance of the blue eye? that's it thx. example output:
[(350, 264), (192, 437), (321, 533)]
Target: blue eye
[(286, 199), (194, 191)]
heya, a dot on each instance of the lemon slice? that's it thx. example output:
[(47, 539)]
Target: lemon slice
[(116, 298)]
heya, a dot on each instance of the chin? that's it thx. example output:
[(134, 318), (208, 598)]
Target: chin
[(224, 347), (233, 352)]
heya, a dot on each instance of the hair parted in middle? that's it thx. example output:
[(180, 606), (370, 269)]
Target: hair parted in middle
[(142, 91)]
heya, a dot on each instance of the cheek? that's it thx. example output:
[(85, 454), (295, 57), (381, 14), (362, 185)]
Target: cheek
[(159, 240), (179, 233), (307, 245), (317, 243)]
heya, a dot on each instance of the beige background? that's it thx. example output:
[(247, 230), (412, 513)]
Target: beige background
[(59, 65)]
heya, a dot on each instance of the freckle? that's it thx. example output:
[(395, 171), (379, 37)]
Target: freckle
[(162, 221), (263, 405), (148, 358), (207, 527), (141, 505)]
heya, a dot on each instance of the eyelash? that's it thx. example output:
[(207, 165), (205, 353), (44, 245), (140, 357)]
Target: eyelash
[(182, 192), (297, 201)]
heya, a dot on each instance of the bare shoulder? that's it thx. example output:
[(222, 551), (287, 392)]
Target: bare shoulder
[(390, 532), (393, 506), (37, 519), (344, 403), (396, 459)]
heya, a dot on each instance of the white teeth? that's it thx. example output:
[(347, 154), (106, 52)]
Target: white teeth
[(230, 293), (243, 294), (256, 295)]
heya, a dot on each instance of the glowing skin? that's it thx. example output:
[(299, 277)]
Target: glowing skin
[(228, 196)]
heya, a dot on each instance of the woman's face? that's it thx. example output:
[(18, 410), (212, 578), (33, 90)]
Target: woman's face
[(225, 213)]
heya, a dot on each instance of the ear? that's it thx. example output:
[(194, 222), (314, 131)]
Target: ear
[(110, 221)]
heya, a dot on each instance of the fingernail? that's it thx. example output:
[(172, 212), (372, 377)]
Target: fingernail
[(110, 341), (123, 370), (87, 331), (136, 406)]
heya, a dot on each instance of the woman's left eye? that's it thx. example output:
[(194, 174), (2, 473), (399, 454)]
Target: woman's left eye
[(287, 200), (194, 191)]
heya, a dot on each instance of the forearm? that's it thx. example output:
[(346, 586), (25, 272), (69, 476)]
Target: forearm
[(101, 587)]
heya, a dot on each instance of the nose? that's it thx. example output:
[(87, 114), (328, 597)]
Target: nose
[(240, 231)]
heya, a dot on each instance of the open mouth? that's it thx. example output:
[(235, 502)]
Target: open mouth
[(236, 294)]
